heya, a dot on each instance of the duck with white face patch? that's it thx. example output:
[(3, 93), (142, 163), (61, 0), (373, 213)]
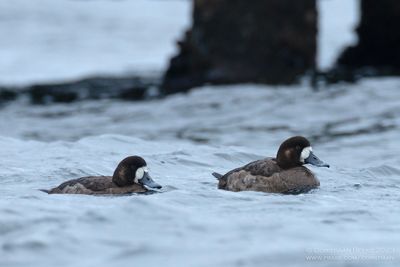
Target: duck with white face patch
[(307, 156), (283, 174), (130, 176), (142, 177)]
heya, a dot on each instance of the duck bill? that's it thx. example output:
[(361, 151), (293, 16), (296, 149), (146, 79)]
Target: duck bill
[(149, 182), (314, 160)]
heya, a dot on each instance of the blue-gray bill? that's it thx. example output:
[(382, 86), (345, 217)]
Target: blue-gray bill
[(149, 182), (314, 160)]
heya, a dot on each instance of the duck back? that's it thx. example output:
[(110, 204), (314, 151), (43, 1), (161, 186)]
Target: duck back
[(266, 176), (92, 185)]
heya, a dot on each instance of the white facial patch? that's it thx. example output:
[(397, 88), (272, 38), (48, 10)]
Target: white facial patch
[(305, 153), (140, 173)]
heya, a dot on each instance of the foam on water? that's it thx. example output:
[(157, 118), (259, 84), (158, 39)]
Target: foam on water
[(184, 138)]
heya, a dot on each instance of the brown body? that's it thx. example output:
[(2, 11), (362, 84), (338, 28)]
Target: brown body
[(267, 176), (96, 185), (130, 176)]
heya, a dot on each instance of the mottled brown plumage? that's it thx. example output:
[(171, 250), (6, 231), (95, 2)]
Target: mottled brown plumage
[(123, 181), (95, 185), (266, 176), (283, 174)]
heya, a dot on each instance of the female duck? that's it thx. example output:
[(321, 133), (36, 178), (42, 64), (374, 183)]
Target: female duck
[(130, 176), (283, 174)]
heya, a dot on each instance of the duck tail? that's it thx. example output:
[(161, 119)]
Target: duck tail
[(217, 175), (45, 190)]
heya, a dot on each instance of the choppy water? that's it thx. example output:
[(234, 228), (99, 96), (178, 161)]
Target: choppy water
[(352, 220)]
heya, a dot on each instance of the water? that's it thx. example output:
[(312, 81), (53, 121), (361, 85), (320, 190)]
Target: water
[(353, 218), (46, 40)]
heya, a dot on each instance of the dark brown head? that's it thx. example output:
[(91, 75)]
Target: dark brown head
[(133, 170), (295, 152)]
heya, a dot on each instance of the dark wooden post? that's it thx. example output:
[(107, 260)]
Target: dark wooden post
[(235, 41), (379, 38)]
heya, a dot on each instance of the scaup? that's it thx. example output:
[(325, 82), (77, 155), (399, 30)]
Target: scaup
[(130, 176), (283, 174)]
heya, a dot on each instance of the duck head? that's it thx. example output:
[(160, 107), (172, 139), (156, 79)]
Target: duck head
[(133, 170), (295, 152)]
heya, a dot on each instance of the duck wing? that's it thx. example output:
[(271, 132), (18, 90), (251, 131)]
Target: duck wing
[(95, 185), (84, 185), (266, 176), (231, 180)]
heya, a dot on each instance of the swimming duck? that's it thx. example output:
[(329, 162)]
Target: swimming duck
[(130, 176), (283, 174)]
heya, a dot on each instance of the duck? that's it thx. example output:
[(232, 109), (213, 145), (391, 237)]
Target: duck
[(130, 176), (284, 174)]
